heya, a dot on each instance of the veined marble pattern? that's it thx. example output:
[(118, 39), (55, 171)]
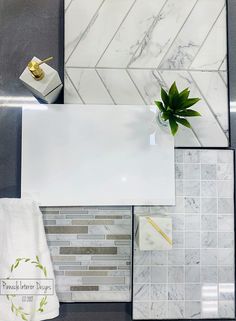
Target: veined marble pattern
[(91, 252), (121, 52), (194, 280)]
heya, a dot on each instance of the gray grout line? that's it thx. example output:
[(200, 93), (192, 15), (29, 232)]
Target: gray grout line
[(126, 15), (209, 32), (178, 34), (144, 68), (68, 5), (86, 30), (108, 91), (225, 57), (73, 85), (214, 115), (136, 86), (219, 73)]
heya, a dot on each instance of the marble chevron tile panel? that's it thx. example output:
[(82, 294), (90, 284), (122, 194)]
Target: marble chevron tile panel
[(195, 279), (122, 52), (187, 44)]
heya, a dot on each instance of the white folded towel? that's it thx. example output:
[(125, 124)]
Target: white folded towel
[(24, 255)]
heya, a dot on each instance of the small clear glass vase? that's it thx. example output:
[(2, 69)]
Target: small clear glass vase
[(161, 122)]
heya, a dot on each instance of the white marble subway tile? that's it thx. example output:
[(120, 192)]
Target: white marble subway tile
[(209, 309), (141, 292), (215, 92), (159, 257), (227, 309), (89, 86), (193, 310), (70, 94), (159, 292), (142, 274), (226, 274), (177, 222), (226, 240), (208, 171), (101, 31), (209, 205), (161, 34), (225, 223), (192, 222), (192, 205), (105, 296), (209, 188), (192, 240), (78, 17), (126, 41), (187, 44), (225, 188), (209, 274), (213, 50), (179, 188), (192, 257), (142, 257), (208, 156), (226, 256), (176, 310), (192, 171), (208, 222), (208, 240), (176, 257), (176, 292), (191, 188), (192, 274), (225, 171), (159, 310), (175, 274), (191, 156), (141, 310), (225, 205), (209, 256), (148, 82), (121, 87), (209, 292), (178, 240), (192, 292), (159, 274), (226, 291)]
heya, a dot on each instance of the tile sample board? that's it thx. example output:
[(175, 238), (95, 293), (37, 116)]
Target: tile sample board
[(195, 279), (91, 252), (96, 155), (122, 52)]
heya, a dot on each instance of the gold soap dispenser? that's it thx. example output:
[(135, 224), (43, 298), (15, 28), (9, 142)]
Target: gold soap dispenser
[(35, 69)]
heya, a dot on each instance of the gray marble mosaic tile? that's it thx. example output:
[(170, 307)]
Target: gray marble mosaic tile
[(195, 279), (91, 252)]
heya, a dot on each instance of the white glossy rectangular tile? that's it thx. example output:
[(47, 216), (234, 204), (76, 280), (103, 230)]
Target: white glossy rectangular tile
[(96, 155)]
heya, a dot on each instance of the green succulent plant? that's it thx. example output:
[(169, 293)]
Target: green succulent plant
[(174, 107)]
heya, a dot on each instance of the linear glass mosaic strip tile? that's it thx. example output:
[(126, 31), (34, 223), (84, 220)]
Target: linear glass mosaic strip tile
[(91, 252), (142, 45), (195, 279)]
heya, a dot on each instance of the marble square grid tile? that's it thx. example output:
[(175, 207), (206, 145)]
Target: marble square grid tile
[(194, 280), (91, 252), (122, 52)]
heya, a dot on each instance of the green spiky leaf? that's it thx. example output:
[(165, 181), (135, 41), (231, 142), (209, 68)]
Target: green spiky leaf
[(164, 97), (188, 103), (160, 105), (188, 113), (183, 122), (173, 126)]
